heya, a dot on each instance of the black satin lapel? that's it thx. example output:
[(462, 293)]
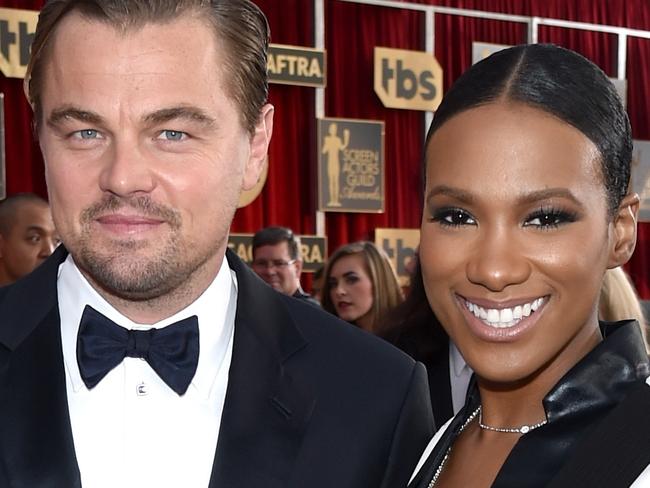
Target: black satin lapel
[(268, 402), (265, 415), (440, 386), (24, 304), (37, 445)]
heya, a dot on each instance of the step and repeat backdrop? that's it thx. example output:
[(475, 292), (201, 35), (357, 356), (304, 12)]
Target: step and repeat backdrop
[(354, 84)]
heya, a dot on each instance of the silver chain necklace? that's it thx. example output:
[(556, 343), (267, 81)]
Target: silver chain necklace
[(436, 475), (524, 429)]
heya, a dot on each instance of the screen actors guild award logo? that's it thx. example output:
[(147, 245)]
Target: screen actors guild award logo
[(332, 148), (351, 165)]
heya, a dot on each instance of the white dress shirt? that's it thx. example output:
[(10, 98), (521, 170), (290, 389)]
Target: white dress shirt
[(132, 430), (459, 376)]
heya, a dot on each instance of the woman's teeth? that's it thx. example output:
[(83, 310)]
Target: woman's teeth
[(503, 317)]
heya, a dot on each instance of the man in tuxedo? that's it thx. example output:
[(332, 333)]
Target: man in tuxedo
[(142, 353), (277, 260)]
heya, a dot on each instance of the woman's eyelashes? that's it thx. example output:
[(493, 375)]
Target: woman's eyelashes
[(547, 218), (452, 217), (544, 218)]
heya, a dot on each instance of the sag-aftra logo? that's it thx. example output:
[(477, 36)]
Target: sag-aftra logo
[(407, 79)]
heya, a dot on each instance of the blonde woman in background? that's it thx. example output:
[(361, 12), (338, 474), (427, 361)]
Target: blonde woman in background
[(360, 285), (619, 301)]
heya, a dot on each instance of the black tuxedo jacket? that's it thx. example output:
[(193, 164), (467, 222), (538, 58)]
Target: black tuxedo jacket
[(311, 401), (440, 384)]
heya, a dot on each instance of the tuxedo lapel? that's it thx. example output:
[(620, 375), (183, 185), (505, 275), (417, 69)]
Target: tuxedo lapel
[(36, 436), (438, 369), (268, 402)]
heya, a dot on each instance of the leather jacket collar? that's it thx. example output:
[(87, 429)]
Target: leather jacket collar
[(595, 385)]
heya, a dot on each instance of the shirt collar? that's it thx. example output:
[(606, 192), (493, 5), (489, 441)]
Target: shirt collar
[(457, 362), (215, 309)]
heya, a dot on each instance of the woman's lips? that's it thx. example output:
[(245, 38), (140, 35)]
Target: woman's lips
[(343, 305), (498, 322)]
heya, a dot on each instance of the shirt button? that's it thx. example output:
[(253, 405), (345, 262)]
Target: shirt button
[(141, 389)]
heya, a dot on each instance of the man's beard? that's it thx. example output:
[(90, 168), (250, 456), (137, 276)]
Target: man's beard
[(120, 270)]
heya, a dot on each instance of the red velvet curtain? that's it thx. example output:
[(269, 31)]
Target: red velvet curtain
[(288, 195), (351, 32), (24, 164)]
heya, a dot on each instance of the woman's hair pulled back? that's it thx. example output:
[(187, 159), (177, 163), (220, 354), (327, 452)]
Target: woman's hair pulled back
[(562, 83)]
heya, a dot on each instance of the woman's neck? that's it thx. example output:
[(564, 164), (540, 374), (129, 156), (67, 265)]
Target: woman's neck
[(520, 402)]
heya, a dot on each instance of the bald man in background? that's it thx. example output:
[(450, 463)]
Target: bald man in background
[(27, 235)]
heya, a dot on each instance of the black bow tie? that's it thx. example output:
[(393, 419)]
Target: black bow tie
[(172, 352)]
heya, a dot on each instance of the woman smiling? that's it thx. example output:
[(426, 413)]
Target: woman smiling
[(526, 206)]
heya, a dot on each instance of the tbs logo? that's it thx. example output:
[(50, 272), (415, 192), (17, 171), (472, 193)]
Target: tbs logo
[(16, 35), (407, 79)]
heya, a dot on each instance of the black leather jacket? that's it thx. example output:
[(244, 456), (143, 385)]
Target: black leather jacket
[(585, 395)]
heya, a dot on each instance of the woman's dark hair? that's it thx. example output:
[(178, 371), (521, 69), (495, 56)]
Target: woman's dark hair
[(562, 83), (412, 326)]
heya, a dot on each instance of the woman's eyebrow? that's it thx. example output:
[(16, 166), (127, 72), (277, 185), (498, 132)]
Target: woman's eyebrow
[(547, 193), (456, 193)]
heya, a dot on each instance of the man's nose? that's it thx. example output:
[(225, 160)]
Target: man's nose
[(127, 170), (48, 246)]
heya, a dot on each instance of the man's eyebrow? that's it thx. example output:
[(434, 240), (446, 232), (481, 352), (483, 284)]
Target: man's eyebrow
[(191, 114), (36, 228), (70, 112)]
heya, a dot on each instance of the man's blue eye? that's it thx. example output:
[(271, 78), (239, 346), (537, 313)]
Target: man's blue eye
[(172, 135), (88, 134)]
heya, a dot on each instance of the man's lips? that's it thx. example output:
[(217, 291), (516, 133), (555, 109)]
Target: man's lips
[(128, 223)]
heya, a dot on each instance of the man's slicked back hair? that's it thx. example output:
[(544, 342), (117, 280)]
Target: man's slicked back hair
[(239, 25)]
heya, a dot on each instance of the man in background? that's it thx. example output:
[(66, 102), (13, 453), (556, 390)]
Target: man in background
[(277, 260), (27, 235)]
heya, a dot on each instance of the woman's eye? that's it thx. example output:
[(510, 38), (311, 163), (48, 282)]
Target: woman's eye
[(549, 219), (86, 134), (453, 217), (172, 135)]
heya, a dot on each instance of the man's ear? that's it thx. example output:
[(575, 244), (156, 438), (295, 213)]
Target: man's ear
[(259, 147), (624, 231), (298, 265)]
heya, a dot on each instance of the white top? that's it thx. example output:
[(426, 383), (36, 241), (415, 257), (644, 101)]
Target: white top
[(459, 376), (132, 430), (643, 481)]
